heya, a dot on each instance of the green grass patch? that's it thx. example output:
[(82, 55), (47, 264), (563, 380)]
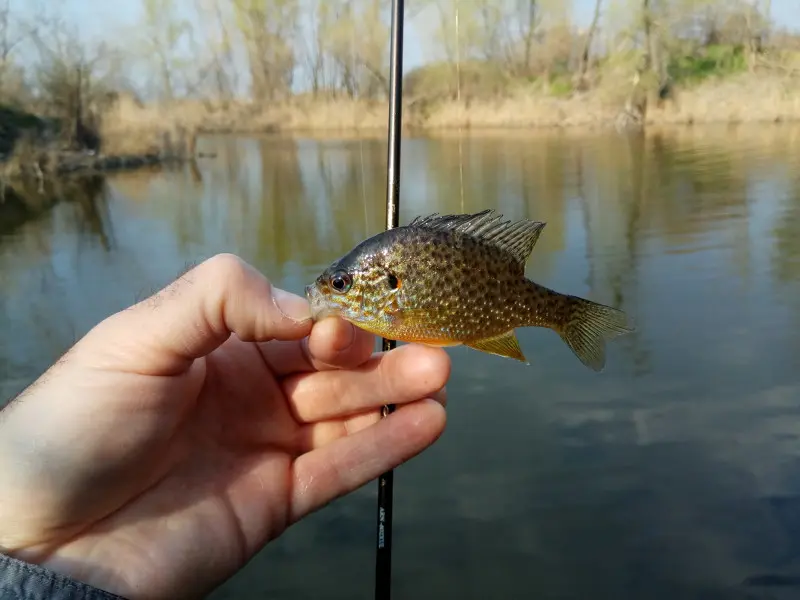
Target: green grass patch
[(711, 61), (561, 86)]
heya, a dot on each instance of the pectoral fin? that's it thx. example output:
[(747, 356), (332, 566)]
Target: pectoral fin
[(502, 345)]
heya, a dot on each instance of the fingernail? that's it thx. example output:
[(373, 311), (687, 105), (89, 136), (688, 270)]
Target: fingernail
[(441, 396), (291, 306)]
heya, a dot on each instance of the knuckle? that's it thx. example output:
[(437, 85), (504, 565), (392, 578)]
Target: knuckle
[(387, 378), (227, 266), (339, 393), (230, 272)]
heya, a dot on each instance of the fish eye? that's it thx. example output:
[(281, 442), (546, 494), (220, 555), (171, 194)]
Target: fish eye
[(393, 281), (341, 281)]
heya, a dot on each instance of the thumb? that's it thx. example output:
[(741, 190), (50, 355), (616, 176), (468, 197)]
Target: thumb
[(195, 314)]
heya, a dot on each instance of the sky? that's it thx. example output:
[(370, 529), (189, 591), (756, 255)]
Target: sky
[(103, 19)]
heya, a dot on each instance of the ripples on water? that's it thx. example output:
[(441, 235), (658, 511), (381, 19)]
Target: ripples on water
[(674, 474)]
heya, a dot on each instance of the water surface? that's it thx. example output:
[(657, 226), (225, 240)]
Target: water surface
[(673, 474)]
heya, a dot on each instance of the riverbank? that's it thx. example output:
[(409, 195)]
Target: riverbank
[(36, 152), (135, 135), (746, 98)]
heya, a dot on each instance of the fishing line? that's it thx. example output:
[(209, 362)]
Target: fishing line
[(383, 557), (460, 112), (356, 97), (363, 186)]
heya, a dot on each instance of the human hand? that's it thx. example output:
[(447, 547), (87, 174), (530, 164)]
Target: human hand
[(161, 452)]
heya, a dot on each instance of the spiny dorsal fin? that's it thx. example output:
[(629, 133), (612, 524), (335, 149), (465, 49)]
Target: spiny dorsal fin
[(517, 238)]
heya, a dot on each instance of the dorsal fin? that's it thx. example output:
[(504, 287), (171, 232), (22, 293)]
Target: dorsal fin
[(517, 238)]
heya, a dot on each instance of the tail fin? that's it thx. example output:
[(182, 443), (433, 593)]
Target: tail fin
[(589, 326)]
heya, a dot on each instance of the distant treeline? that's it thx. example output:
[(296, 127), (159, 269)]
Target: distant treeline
[(223, 54)]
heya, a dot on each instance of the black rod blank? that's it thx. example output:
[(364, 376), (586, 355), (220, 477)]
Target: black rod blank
[(383, 562)]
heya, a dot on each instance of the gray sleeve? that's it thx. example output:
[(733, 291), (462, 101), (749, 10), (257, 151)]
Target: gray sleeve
[(24, 581)]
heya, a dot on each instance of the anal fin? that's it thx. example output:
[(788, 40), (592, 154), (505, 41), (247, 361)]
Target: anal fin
[(505, 345)]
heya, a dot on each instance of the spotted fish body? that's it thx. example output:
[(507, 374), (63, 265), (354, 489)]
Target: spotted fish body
[(445, 280)]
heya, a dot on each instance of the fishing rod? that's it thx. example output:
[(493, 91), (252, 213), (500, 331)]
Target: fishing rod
[(383, 557)]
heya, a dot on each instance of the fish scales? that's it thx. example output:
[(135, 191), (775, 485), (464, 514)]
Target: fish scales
[(446, 280)]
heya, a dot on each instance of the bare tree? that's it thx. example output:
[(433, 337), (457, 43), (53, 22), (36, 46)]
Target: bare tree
[(356, 40), (14, 32), (162, 32), (218, 69), (268, 29), (73, 81), (529, 8), (314, 51), (587, 45)]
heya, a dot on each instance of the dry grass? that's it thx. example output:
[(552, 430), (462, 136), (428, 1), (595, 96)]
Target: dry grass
[(129, 128), (28, 158), (741, 99), (522, 111)]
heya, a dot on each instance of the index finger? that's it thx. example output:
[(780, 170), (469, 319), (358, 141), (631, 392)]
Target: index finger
[(195, 314)]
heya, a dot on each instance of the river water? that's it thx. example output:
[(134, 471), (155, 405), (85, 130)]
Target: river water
[(673, 474)]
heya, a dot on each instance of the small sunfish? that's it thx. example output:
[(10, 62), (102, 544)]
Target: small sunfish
[(446, 280)]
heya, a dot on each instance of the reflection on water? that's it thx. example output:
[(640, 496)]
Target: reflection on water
[(673, 474)]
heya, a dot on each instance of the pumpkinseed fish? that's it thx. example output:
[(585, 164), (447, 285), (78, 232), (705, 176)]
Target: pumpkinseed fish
[(446, 280)]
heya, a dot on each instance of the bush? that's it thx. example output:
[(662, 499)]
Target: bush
[(439, 81), (13, 122), (711, 61), (561, 86)]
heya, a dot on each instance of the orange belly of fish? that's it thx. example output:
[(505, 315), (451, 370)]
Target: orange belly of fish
[(412, 339), (429, 341), (437, 343)]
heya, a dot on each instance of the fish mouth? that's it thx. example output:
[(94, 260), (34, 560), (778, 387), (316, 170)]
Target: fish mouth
[(320, 307)]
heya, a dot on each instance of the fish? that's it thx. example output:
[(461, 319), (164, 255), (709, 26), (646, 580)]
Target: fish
[(459, 279)]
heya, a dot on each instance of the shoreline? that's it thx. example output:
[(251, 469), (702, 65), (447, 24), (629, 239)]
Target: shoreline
[(740, 99), (136, 135), (377, 126), (22, 196), (745, 98), (409, 131), (87, 165)]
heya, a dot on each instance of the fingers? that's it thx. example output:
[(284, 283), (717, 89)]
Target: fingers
[(403, 375), (316, 435), (338, 468), (332, 344), (198, 312)]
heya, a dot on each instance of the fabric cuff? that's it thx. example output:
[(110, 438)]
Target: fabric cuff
[(25, 581)]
